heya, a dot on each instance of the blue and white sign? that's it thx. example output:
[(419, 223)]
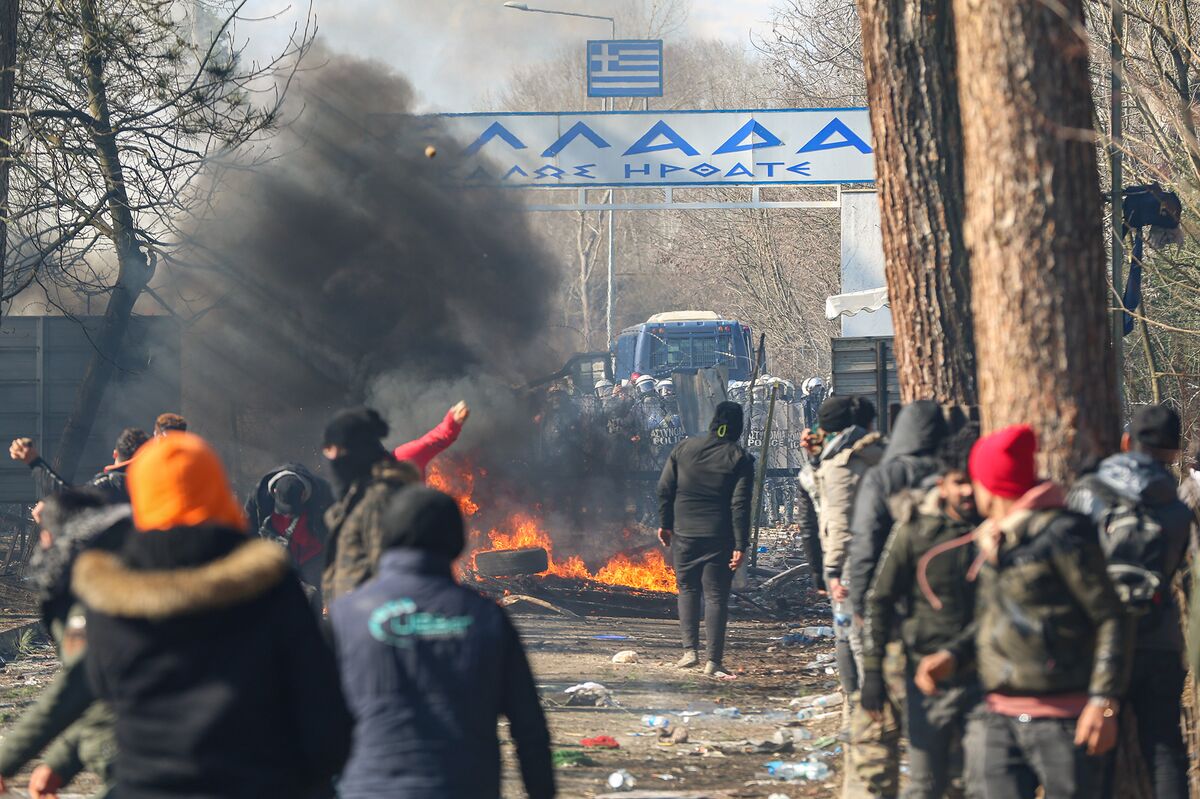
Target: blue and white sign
[(625, 68), (651, 148)]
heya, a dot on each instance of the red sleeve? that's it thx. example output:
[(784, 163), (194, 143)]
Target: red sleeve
[(430, 445)]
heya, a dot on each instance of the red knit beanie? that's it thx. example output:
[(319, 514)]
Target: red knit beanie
[(1003, 462)]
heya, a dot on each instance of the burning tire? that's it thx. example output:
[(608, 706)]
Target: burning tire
[(512, 562)]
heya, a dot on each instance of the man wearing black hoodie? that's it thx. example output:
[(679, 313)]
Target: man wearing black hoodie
[(705, 495), (1145, 529), (909, 460), (873, 754)]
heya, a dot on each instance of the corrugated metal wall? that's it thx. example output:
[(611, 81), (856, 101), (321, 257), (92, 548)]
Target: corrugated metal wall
[(866, 367), (42, 360)]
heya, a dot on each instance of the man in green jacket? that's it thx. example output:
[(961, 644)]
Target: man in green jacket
[(77, 730), (1050, 640), (933, 606)]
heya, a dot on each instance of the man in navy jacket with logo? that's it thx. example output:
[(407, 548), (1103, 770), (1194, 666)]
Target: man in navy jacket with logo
[(427, 668)]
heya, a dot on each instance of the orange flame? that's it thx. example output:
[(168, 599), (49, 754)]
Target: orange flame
[(461, 487), (649, 571)]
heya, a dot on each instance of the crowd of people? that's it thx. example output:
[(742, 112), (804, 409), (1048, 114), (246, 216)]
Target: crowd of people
[(313, 641), (1005, 625)]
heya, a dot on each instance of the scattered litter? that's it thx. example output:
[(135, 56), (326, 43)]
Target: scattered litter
[(665, 777), (701, 706), (589, 694), (728, 713), (612, 637), (687, 714), (786, 735), (779, 796), (625, 656), (821, 661), (825, 742), (811, 714), (661, 722), (622, 781), (600, 742), (824, 700), (657, 794), (813, 770), (568, 758), (806, 635)]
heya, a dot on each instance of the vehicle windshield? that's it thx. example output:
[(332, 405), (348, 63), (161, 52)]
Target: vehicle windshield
[(689, 351)]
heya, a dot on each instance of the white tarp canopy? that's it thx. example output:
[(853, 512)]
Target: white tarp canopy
[(855, 302)]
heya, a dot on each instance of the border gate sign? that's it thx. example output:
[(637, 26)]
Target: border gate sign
[(632, 149)]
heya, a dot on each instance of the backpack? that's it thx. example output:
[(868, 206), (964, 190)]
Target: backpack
[(1134, 545)]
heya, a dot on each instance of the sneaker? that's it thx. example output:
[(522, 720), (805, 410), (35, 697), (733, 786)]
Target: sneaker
[(690, 660), (714, 670)]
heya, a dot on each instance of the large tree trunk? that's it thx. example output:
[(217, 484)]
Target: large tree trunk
[(1033, 225), (908, 54), (133, 272), (9, 10)]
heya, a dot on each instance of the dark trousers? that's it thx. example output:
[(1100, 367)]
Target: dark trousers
[(935, 726), (1008, 759), (1155, 697), (702, 565)]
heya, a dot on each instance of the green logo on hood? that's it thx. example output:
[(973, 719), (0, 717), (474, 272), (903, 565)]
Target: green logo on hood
[(398, 623)]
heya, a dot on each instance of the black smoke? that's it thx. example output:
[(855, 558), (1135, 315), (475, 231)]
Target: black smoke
[(346, 270)]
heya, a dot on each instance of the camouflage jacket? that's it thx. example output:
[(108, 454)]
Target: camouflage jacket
[(66, 714), (356, 529), (920, 526), (1047, 620)]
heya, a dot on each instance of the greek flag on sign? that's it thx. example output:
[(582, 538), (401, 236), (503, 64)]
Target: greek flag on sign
[(625, 68)]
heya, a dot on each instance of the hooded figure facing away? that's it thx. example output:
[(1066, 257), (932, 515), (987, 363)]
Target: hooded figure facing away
[(428, 666), (202, 641), (705, 494)]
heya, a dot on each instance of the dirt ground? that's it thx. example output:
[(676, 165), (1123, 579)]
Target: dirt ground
[(719, 758)]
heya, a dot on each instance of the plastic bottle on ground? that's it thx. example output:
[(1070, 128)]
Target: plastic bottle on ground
[(659, 722), (799, 770)]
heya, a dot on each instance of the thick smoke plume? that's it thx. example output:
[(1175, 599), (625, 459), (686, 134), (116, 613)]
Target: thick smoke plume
[(345, 271)]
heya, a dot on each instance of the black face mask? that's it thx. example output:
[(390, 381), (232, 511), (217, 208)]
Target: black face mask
[(355, 465)]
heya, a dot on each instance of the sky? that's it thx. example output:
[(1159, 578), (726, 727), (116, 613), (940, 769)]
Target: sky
[(456, 52)]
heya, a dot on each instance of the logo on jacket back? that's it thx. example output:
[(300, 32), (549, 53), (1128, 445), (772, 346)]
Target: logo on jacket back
[(399, 623)]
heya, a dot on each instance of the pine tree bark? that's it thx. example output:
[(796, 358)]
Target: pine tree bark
[(909, 59), (1033, 226)]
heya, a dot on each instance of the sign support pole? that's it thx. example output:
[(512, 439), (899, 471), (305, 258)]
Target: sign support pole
[(608, 309)]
